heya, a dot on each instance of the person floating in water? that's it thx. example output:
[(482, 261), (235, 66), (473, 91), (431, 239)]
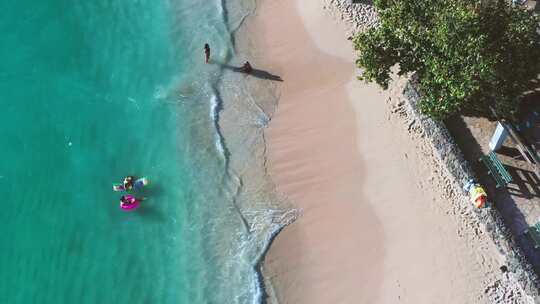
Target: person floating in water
[(246, 68), (128, 182), (129, 202), (131, 183), (126, 200), (206, 53)]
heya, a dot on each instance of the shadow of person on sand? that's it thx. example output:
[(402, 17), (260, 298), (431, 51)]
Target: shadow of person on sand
[(254, 72)]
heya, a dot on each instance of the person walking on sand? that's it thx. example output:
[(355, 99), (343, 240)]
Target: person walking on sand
[(206, 53)]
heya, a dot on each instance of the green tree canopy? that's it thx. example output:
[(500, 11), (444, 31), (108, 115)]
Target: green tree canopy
[(468, 54)]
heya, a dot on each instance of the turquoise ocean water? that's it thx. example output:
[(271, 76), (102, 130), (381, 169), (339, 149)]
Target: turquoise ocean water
[(91, 91)]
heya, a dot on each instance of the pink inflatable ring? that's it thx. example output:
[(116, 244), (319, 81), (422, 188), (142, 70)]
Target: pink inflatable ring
[(129, 202)]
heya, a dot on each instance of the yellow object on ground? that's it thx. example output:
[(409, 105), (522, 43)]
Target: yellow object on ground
[(478, 196)]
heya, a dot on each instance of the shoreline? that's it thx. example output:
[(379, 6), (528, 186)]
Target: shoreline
[(365, 248), (303, 76)]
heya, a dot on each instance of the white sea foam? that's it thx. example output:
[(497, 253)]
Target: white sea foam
[(215, 108), (266, 224), (235, 225)]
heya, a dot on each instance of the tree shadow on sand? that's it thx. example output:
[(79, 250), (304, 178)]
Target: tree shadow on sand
[(254, 72)]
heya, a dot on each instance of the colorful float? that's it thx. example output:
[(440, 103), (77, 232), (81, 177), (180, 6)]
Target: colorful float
[(129, 202)]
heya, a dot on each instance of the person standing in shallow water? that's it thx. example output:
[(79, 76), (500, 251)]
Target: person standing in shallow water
[(206, 53)]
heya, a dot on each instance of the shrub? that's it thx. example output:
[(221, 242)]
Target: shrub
[(469, 55)]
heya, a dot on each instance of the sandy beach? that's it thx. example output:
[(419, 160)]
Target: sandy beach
[(374, 225)]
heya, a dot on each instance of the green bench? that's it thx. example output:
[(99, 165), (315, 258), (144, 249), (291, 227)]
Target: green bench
[(496, 169), (534, 234)]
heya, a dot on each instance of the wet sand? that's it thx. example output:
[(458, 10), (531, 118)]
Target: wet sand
[(372, 229)]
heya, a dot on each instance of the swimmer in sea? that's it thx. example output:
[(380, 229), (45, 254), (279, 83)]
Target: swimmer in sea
[(128, 182), (206, 53)]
